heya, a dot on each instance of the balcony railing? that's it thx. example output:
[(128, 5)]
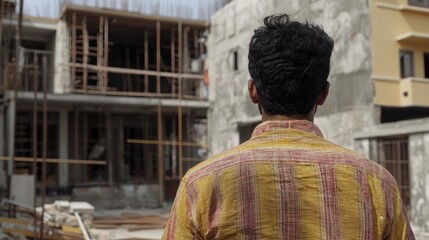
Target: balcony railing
[(34, 67), (401, 92), (92, 79)]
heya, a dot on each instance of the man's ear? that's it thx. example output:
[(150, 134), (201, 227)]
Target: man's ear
[(324, 94), (253, 94)]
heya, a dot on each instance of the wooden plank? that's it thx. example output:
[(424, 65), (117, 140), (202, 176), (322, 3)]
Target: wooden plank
[(24, 232), (140, 72), (55, 160), (14, 221), (171, 143), (129, 94)]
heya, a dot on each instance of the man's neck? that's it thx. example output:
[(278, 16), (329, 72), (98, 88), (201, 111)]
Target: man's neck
[(266, 117)]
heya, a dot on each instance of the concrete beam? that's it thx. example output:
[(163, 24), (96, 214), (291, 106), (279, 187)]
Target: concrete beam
[(109, 101), (396, 128)]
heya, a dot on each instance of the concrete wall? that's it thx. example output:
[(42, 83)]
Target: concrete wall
[(61, 59), (417, 131), (419, 173), (396, 27), (122, 197), (350, 102)]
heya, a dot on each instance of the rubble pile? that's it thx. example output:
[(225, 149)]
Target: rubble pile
[(61, 213)]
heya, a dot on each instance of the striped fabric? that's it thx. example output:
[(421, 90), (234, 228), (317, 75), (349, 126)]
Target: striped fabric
[(287, 182)]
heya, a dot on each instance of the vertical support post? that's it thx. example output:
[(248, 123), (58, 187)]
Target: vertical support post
[(44, 139), (100, 42), (146, 61), (174, 149), (109, 148), (201, 46), (73, 50), (35, 87), (106, 52), (179, 110), (1, 29), (127, 83), (147, 149), (160, 158), (85, 54), (158, 57), (85, 145), (172, 60), (196, 53), (173, 51), (185, 58), (63, 148), (78, 175)]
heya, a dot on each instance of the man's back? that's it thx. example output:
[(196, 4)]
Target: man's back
[(287, 182)]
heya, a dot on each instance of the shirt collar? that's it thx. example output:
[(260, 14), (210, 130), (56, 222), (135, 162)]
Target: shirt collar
[(303, 125)]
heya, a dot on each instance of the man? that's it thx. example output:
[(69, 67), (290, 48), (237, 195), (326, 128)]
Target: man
[(287, 182)]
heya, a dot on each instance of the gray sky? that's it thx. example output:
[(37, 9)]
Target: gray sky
[(192, 9)]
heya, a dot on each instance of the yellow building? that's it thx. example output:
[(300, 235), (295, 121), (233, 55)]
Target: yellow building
[(400, 39)]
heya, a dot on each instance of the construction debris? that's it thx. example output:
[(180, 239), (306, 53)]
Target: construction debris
[(75, 220), (130, 222), (61, 213)]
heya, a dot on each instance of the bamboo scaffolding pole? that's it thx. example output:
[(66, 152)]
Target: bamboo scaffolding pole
[(180, 90), (73, 50), (100, 73), (106, 53), (44, 140), (35, 86), (160, 157), (146, 61), (85, 53), (158, 56)]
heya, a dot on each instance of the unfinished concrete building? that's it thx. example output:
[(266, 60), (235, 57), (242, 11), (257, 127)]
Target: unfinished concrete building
[(123, 115), (378, 102)]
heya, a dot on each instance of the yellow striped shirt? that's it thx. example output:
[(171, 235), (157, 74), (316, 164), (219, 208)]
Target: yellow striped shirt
[(287, 182)]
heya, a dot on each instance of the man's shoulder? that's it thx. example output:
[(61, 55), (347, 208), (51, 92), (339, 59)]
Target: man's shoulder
[(363, 164), (214, 164)]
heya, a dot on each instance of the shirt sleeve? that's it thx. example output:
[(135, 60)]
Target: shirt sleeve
[(180, 225), (400, 227)]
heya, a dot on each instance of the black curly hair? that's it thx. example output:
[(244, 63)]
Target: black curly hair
[(289, 63)]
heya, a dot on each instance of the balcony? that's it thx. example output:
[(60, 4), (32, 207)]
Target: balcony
[(35, 68), (401, 92)]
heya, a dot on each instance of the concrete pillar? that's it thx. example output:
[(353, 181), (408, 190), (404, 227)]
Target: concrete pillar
[(10, 128), (419, 180), (63, 168), (3, 174)]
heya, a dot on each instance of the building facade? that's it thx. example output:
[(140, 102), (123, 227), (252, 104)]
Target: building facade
[(101, 105), (378, 102)]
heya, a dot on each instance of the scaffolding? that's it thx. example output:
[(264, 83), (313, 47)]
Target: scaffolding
[(112, 54), (123, 54)]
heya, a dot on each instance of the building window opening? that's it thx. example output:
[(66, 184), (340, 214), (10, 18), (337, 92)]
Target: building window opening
[(407, 65), (426, 63), (419, 3), (393, 155), (235, 60)]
